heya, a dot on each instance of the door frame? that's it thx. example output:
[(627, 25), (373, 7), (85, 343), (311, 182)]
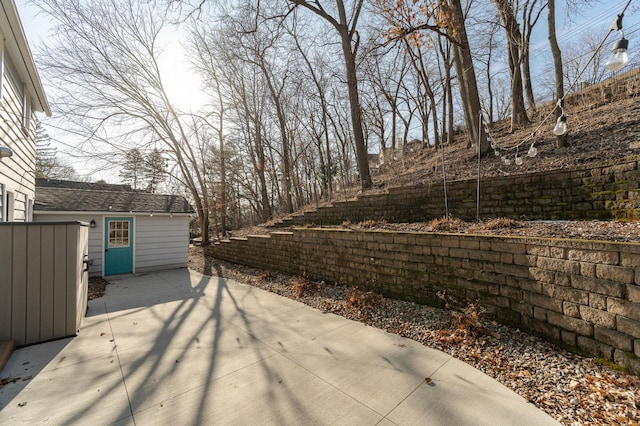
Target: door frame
[(132, 240)]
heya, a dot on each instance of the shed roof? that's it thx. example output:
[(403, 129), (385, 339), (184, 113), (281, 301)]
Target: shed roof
[(61, 196)]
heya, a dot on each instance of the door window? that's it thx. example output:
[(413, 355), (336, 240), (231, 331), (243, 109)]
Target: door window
[(118, 233)]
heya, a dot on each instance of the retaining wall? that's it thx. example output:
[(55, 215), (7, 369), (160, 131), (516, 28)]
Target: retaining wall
[(585, 294), (606, 192)]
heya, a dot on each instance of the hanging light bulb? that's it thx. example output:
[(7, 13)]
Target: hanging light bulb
[(533, 151), (619, 57), (519, 160), (506, 161), (561, 126)]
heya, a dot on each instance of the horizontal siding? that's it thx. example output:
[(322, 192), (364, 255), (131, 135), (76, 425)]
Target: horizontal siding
[(161, 242), (18, 171)]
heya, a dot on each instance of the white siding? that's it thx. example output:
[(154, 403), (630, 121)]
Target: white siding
[(16, 172), (161, 242)]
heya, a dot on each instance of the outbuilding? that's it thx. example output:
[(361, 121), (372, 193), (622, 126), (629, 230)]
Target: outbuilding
[(130, 231)]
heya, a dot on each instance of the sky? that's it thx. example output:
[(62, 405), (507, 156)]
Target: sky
[(186, 91)]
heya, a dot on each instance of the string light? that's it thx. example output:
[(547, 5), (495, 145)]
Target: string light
[(619, 57), (561, 124), (616, 61), (518, 160)]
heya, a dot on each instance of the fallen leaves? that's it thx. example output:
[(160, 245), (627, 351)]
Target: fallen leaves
[(5, 381)]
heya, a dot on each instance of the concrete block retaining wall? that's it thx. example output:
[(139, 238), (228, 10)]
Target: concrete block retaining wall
[(585, 294), (607, 192)]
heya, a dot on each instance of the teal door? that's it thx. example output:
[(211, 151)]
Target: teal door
[(118, 245)]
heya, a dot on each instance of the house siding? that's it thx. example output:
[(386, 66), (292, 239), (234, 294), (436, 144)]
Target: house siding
[(161, 242), (17, 175)]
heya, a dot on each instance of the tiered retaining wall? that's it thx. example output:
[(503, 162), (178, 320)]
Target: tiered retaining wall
[(607, 192), (583, 293)]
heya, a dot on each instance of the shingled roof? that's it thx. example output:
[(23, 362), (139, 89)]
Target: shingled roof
[(64, 196)]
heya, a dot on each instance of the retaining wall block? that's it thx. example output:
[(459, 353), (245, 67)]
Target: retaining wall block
[(623, 308), (571, 309), (598, 286), (628, 326), (613, 338), (594, 347), (576, 325), (627, 359), (615, 273), (598, 317)]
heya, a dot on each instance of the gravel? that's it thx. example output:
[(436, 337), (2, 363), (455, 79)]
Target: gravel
[(573, 389)]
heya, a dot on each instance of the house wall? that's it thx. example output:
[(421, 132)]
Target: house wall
[(17, 177), (160, 242)]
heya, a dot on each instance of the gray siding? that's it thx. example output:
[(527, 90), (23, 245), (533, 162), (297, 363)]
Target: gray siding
[(16, 172), (161, 242)]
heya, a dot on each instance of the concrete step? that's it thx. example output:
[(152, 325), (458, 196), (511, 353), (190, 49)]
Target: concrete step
[(6, 348)]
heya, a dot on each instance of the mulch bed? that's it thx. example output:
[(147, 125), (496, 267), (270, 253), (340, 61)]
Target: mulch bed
[(97, 287)]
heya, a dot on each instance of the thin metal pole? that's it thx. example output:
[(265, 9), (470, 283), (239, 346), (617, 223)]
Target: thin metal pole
[(444, 180), (478, 146)]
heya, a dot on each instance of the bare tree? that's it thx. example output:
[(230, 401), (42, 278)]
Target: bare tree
[(314, 119), (446, 18), (104, 60), (346, 26)]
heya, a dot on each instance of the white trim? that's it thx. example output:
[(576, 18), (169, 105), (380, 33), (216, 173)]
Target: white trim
[(3, 191), (26, 110), (1, 65), (10, 199), (134, 254), (102, 244)]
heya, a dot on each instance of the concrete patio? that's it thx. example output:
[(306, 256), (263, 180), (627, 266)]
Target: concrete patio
[(181, 348)]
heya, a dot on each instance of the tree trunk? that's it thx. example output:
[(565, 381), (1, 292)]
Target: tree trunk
[(346, 28), (264, 190), (223, 188), (561, 141), (514, 36), (356, 113), (468, 84), (526, 78)]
